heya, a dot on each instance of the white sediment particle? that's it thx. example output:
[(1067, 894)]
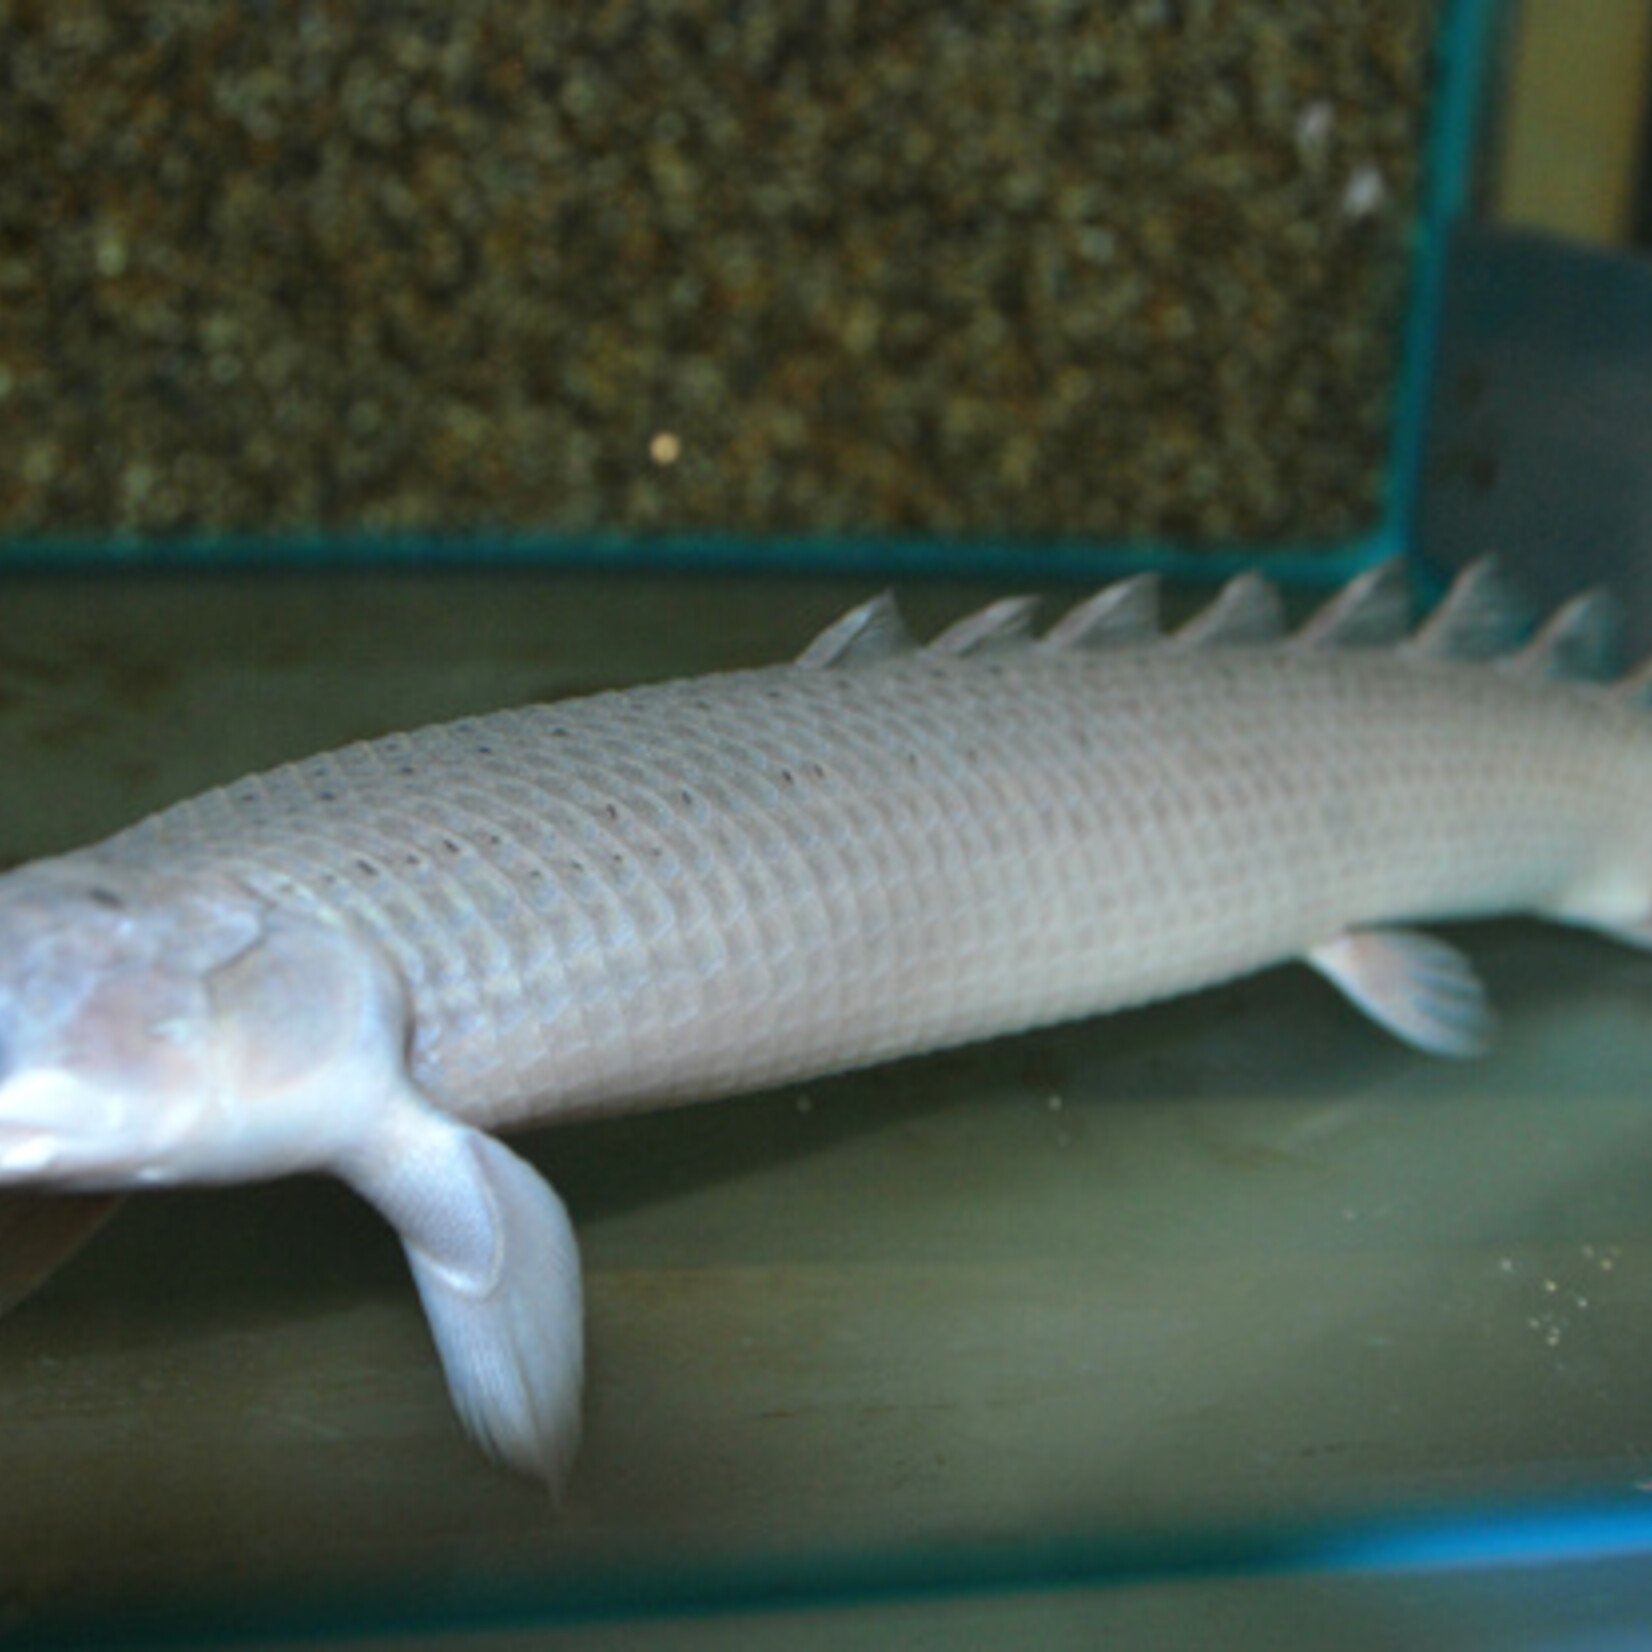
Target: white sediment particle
[(1314, 127), (1365, 193)]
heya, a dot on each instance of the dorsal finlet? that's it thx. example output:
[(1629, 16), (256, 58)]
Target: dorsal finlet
[(1246, 610), (1580, 640), (872, 631), (1120, 615), (1007, 620), (1372, 611), (1479, 619)]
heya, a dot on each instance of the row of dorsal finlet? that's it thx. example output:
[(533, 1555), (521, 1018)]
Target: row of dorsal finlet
[(1480, 618)]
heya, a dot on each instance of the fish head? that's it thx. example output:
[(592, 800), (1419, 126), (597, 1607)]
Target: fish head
[(140, 1013), (105, 1069)]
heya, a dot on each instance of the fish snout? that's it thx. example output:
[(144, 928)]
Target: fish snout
[(56, 1130)]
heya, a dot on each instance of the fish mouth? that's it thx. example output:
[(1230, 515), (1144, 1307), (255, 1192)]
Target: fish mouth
[(49, 1120), (50, 1159)]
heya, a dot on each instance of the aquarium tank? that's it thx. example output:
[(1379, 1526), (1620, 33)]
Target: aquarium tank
[(363, 366)]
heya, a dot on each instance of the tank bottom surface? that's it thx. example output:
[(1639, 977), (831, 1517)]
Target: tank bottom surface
[(1231, 1261)]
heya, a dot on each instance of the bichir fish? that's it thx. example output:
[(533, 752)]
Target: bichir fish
[(372, 963)]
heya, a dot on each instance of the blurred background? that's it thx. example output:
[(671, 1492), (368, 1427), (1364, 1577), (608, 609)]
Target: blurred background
[(1061, 271), (546, 281)]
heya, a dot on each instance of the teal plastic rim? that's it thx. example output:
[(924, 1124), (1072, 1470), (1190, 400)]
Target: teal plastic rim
[(1516, 1539), (1465, 30)]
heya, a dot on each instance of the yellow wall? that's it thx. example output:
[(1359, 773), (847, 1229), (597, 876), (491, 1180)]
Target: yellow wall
[(1571, 130)]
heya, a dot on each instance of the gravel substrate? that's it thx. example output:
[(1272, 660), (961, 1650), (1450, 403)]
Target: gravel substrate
[(961, 267)]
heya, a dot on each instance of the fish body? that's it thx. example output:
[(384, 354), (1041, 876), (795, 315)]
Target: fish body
[(720, 884), (373, 961)]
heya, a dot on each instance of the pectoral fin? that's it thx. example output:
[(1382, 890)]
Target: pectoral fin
[(497, 1266), (39, 1232), (312, 1035), (1419, 988)]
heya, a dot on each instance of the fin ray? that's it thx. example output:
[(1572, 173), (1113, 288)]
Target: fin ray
[(1005, 621), (1421, 989), (1247, 610), (873, 630), (1480, 618), (1579, 641), (1371, 611), (1117, 616)]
